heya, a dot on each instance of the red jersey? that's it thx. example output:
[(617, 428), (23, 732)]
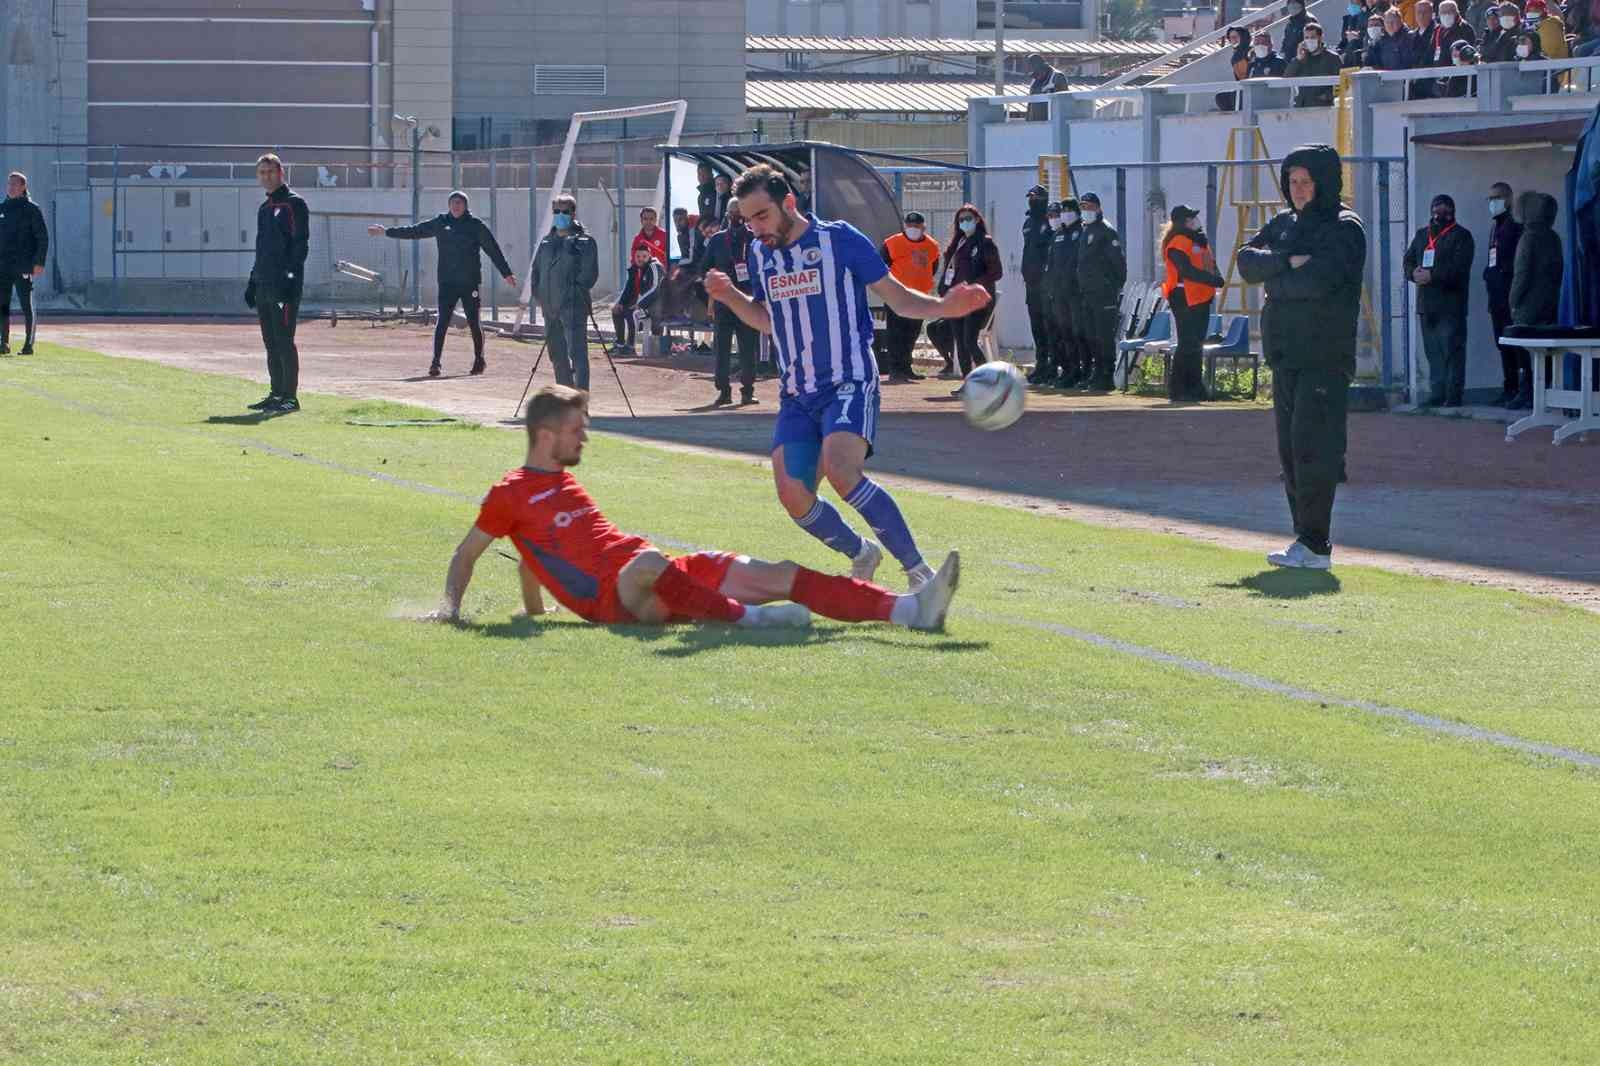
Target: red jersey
[(569, 545), (656, 242)]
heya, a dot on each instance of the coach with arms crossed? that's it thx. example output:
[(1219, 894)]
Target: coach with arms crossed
[(565, 268), (24, 242), (1310, 257), (283, 237)]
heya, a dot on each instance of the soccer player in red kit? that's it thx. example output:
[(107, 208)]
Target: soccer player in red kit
[(604, 575)]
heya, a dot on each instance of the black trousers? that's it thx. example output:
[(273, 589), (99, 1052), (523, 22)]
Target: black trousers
[(1039, 321), (966, 331), (1186, 379), (622, 325), (942, 335), (23, 285), (901, 337), (279, 316), (728, 328), (1515, 366), (1066, 356), (1100, 320), (471, 306), (1310, 408), (1444, 342), (569, 351)]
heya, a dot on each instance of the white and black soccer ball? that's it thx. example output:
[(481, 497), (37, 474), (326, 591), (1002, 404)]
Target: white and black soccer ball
[(994, 395)]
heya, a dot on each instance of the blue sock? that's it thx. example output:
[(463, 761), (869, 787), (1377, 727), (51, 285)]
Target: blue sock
[(824, 522), (883, 515)]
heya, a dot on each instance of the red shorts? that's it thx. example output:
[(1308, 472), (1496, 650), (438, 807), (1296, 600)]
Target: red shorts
[(704, 568)]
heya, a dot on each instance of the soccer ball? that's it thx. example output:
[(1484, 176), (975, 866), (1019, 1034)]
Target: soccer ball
[(994, 395)]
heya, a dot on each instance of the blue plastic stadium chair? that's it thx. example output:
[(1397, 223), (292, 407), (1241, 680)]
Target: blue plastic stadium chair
[(1234, 347), (1158, 334)]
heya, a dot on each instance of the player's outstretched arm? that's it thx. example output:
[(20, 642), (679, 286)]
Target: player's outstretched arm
[(721, 288), (459, 576), (532, 594), (959, 302)]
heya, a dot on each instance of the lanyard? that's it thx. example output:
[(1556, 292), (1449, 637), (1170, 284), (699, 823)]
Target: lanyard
[(1435, 240)]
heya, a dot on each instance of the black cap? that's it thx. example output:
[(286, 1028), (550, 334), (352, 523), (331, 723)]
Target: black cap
[(1038, 190), (1443, 200), (1183, 213), (1069, 204), (914, 218), (1052, 209), (1090, 198)]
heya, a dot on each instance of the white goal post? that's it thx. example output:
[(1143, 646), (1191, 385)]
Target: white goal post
[(677, 108)]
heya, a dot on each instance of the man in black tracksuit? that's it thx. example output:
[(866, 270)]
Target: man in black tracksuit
[(565, 268), (1061, 279), (1311, 259), (1036, 238), (1102, 271), (24, 244), (461, 235), (728, 251), (283, 237), (1439, 264), (1504, 233)]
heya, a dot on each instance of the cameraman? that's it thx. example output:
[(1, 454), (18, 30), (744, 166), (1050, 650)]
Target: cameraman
[(565, 268)]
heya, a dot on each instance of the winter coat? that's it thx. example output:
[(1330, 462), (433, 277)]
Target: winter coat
[(1102, 264), (283, 240), (971, 260), (460, 241), (1319, 64), (24, 241), (1036, 238), (1308, 320), (1269, 66), (1450, 283), (1061, 277), (1392, 51), (565, 268), (1503, 237), (1536, 277), (643, 285), (1294, 31)]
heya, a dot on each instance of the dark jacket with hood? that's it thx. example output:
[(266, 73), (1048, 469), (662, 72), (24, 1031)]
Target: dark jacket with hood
[(565, 268), (24, 241), (1036, 238), (1450, 283), (1294, 31), (1504, 233), (1536, 278), (1392, 51), (1308, 320), (283, 239), (460, 240)]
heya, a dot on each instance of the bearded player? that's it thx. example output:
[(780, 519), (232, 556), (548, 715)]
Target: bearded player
[(810, 280), (604, 575)]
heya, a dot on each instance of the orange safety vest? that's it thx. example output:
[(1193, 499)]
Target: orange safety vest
[(1194, 292), (914, 264)]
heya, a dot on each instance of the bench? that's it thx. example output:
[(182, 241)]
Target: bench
[(1550, 402)]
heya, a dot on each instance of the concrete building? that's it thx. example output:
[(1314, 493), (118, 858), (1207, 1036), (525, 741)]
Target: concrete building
[(1065, 19)]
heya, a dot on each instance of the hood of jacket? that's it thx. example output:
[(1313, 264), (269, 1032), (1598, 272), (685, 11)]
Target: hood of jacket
[(1322, 161), (1538, 210)]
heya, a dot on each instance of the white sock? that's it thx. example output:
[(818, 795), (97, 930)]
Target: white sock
[(904, 611), (751, 616)]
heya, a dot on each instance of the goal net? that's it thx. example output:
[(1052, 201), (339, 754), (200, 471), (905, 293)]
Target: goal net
[(676, 108)]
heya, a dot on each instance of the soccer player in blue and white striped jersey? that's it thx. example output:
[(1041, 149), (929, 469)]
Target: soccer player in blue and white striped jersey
[(810, 281)]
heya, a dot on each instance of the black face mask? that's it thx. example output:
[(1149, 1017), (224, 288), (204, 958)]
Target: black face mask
[(1035, 203), (1441, 219)]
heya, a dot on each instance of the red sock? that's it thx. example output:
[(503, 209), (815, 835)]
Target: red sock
[(686, 598), (842, 598)]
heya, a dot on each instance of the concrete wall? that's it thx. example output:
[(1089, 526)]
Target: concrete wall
[(423, 54), (863, 18)]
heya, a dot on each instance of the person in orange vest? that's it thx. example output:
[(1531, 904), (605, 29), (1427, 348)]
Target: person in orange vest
[(913, 259), (1192, 281)]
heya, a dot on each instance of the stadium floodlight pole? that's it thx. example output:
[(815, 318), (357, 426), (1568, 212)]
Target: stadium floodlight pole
[(999, 47)]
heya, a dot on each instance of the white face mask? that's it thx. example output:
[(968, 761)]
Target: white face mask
[(1053, 222), (1523, 51), (914, 232), (1261, 51), (1374, 32), (1497, 208), (1313, 44), (1069, 217), (1447, 21), (1091, 217), (1508, 22)]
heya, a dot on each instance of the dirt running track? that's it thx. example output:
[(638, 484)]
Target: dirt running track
[(1442, 497)]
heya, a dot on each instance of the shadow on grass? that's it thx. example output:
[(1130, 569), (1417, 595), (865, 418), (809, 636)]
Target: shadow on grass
[(1287, 584), (254, 418), (685, 640)]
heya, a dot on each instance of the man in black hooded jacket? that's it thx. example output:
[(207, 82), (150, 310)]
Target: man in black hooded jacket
[(1311, 259), (24, 245), (461, 236), (1439, 264)]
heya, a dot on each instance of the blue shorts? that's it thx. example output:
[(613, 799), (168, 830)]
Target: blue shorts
[(804, 421)]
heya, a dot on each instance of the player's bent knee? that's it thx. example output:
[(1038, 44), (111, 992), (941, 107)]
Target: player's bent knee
[(643, 569)]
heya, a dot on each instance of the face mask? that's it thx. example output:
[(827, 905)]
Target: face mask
[(1091, 217), (1261, 51), (1313, 44), (1442, 219), (1447, 21), (1353, 10), (1497, 208), (1035, 204), (914, 233), (1069, 218), (969, 227), (1374, 32), (1508, 22), (1523, 51), (562, 220), (1054, 223)]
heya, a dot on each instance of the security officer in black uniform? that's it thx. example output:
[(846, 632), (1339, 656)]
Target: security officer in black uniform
[(1102, 270), (283, 239), (461, 235), (1036, 238), (24, 244), (1062, 281)]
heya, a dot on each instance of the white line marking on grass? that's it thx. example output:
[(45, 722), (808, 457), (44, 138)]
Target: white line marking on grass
[(1238, 677)]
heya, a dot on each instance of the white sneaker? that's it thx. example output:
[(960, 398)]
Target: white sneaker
[(776, 616), (933, 598), (919, 576), (1299, 557), (865, 564)]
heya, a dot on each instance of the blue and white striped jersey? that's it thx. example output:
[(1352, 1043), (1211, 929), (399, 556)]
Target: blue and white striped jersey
[(816, 291)]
